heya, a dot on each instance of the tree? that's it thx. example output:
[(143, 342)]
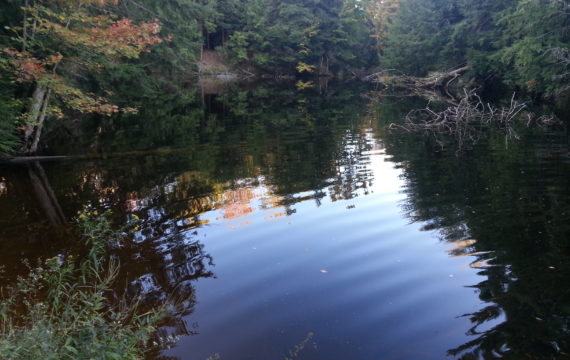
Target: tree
[(535, 35), (58, 42), (289, 36), (520, 43), (188, 22), (417, 37), (381, 13)]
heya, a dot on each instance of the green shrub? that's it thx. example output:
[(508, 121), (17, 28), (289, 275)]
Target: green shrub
[(64, 308)]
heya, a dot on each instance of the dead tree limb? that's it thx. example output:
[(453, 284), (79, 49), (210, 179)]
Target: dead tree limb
[(436, 81), (465, 121)]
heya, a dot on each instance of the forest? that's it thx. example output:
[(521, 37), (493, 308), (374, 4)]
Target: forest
[(70, 57), (284, 179)]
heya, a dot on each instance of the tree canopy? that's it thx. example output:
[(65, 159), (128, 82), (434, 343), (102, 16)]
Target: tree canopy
[(521, 43), (69, 57)]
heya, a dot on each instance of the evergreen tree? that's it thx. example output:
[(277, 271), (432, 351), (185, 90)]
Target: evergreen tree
[(536, 33), (522, 43), (285, 36), (417, 38)]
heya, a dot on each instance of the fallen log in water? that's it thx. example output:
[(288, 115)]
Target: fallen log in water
[(436, 81), (31, 159), (468, 119)]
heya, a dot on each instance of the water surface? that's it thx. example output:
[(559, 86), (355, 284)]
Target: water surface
[(286, 217)]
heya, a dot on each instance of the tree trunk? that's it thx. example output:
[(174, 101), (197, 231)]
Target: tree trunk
[(40, 124), (35, 116), (439, 81)]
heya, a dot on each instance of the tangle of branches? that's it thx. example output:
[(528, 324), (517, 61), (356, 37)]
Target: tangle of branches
[(466, 120)]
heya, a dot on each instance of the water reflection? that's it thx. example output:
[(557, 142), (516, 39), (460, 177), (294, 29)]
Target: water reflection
[(515, 201), (318, 221)]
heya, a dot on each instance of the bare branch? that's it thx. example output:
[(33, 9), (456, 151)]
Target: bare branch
[(467, 120)]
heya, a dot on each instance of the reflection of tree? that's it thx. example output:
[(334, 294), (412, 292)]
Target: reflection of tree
[(163, 258), (30, 215), (163, 272), (289, 136), (262, 136), (351, 166), (45, 195), (263, 149), (508, 208), (30, 183)]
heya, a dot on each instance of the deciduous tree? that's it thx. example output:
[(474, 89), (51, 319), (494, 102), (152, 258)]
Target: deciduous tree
[(59, 42)]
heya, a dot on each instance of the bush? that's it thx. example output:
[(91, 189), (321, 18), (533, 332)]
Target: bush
[(64, 309)]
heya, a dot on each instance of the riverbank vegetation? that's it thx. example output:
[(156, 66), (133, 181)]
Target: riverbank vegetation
[(66, 308), (73, 58), (518, 43)]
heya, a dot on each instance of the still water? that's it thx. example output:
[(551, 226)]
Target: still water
[(291, 224)]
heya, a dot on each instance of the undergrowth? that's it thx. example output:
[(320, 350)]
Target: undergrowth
[(65, 308)]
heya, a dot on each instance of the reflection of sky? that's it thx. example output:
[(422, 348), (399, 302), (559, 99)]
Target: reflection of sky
[(237, 206), (347, 267)]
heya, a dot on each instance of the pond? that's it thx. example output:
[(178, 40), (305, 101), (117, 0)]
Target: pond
[(291, 224)]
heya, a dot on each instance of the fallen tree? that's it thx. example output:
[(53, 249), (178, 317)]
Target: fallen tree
[(440, 80), (469, 117)]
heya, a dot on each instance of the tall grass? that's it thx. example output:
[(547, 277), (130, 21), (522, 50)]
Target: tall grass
[(66, 309)]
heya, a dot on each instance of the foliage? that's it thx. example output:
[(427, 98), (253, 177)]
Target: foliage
[(72, 35), (533, 28), (302, 67), (9, 112), (71, 57), (58, 43), (185, 22), (416, 39), (516, 42), (381, 14), (63, 308), (277, 37)]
